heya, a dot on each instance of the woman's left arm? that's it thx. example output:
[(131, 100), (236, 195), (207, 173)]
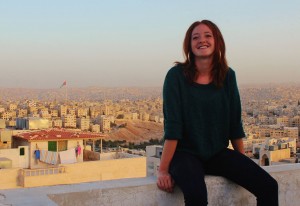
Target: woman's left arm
[(238, 145), (236, 130)]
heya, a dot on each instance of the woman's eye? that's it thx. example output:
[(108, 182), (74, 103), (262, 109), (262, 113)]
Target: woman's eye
[(195, 38)]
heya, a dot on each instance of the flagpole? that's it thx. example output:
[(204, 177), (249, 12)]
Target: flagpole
[(66, 100)]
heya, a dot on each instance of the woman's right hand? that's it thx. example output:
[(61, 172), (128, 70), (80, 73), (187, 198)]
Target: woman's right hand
[(165, 181)]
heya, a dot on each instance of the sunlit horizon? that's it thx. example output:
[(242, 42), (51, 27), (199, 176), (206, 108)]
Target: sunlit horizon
[(134, 44)]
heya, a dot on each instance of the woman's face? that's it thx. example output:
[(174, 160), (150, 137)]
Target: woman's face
[(202, 42)]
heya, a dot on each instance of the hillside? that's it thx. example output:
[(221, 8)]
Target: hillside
[(137, 131)]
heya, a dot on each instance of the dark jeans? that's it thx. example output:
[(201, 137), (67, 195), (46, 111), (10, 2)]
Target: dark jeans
[(188, 173)]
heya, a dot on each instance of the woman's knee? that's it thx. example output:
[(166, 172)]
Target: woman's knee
[(269, 189)]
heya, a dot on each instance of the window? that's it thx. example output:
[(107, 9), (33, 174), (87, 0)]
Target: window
[(22, 151), (62, 145), (52, 146)]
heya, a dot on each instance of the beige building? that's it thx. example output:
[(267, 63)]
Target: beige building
[(54, 113), (291, 132), (83, 123), (82, 112), (69, 121), (10, 123), (56, 123), (71, 111), (32, 110), (105, 110), (6, 115), (104, 124), (62, 110), (12, 107), (50, 143), (267, 157), (154, 118), (45, 114), (49, 157), (5, 138), (274, 150), (2, 124), (22, 113), (276, 132), (144, 116), (295, 122), (95, 128), (31, 103), (283, 121), (2, 109), (135, 116)]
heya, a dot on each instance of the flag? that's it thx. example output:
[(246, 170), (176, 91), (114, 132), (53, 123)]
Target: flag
[(63, 84)]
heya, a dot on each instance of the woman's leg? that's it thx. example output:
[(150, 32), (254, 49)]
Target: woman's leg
[(188, 174), (246, 173)]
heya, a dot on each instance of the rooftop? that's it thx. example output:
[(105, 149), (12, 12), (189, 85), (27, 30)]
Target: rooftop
[(58, 134)]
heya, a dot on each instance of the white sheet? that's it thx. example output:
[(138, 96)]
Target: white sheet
[(68, 156)]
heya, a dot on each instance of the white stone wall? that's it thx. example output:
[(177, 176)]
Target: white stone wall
[(221, 192)]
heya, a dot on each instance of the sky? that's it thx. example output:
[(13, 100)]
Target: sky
[(118, 43)]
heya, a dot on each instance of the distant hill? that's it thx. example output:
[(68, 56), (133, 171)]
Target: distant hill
[(137, 131), (81, 94)]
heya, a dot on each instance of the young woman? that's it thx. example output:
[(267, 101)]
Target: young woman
[(202, 112)]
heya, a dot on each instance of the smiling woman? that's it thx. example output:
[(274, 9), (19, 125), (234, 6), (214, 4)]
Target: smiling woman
[(204, 42), (202, 113)]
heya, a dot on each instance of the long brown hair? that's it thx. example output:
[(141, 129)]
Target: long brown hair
[(220, 66)]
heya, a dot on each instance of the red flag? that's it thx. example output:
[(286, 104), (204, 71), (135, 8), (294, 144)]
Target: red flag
[(63, 84)]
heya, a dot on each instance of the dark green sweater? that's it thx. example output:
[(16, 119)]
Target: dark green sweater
[(201, 117)]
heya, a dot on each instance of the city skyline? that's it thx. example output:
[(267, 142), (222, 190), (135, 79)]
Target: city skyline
[(113, 44)]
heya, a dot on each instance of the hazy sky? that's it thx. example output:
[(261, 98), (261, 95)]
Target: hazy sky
[(134, 42)]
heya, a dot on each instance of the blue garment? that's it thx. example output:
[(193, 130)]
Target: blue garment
[(37, 154)]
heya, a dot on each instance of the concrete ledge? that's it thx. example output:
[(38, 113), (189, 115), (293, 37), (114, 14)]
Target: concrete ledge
[(222, 192), (143, 191)]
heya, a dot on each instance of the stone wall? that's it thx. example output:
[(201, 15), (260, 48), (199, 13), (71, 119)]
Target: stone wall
[(221, 192), (143, 192)]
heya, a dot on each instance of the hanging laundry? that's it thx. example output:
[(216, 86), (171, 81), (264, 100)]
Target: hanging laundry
[(37, 154)]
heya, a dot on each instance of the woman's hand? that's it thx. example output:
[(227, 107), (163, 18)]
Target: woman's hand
[(165, 181)]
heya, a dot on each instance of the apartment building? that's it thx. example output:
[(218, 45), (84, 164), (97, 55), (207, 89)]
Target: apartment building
[(69, 121), (62, 110), (12, 107), (54, 113), (95, 128), (57, 123), (81, 112), (83, 123), (22, 113), (283, 121), (291, 132), (6, 115), (104, 124)]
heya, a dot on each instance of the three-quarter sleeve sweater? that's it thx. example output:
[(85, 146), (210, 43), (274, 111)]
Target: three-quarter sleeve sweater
[(201, 117)]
